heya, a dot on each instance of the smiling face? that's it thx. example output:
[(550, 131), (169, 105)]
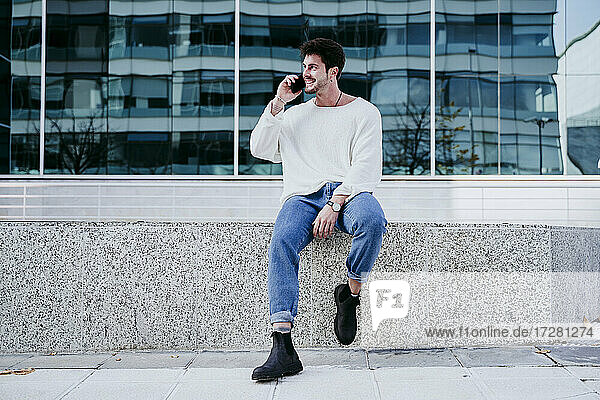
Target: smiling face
[(315, 75)]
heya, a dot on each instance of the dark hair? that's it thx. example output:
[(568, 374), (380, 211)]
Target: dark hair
[(330, 51)]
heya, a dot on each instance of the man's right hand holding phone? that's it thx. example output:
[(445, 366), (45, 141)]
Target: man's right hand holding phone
[(284, 92)]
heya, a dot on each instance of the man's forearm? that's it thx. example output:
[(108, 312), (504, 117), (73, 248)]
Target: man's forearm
[(276, 106)]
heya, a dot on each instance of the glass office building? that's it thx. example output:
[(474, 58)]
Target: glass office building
[(174, 87)]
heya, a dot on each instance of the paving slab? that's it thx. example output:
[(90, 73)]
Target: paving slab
[(128, 360), (217, 374), (48, 375), (574, 355), (529, 382), (8, 360), (520, 372), (160, 375), (420, 373), (437, 389), (34, 390), (411, 358), (229, 359), (121, 390), (326, 383), (328, 374), (90, 360), (219, 390), (587, 396), (335, 357), (501, 356), (593, 385), (535, 388), (584, 372)]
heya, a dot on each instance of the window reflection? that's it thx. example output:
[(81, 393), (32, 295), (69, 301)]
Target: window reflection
[(75, 120), (125, 87), (140, 37), (203, 153), (20, 70), (76, 68), (583, 124), (529, 125), (137, 153), (398, 65), (269, 44), (203, 35), (387, 53), (466, 124), (579, 83), (77, 40)]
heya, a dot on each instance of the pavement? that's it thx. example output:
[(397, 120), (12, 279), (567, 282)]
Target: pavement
[(524, 372)]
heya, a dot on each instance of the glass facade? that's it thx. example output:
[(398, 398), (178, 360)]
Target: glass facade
[(149, 87)]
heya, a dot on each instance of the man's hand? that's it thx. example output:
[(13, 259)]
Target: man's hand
[(284, 90), (325, 222)]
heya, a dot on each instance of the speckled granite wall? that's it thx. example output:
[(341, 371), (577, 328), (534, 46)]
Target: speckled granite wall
[(74, 286)]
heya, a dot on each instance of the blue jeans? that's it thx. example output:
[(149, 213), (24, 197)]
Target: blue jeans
[(362, 217)]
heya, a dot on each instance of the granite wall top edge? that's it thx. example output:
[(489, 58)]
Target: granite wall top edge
[(408, 225)]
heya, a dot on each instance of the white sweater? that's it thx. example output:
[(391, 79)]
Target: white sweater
[(317, 145)]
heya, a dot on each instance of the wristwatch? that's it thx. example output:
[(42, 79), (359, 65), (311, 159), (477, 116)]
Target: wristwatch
[(336, 206)]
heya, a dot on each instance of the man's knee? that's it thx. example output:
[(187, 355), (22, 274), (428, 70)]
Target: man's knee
[(279, 242), (375, 224)]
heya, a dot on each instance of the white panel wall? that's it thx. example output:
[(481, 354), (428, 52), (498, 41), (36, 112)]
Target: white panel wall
[(555, 202)]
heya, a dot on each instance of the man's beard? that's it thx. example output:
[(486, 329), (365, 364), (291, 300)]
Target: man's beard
[(317, 85)]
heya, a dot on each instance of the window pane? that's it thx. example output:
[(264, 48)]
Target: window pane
[(20, 38), (466, 87), (130, 84), (76, 88), (583, 124), (387, 63), (398, 77), (269, 42), (529, 125), (579, 83)]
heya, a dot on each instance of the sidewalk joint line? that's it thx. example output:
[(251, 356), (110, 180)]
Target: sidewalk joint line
[(556, 363), (75, 385), (456, 357), (375, 385), (271, 394), (176, 383), (191, 361), (576, 395)]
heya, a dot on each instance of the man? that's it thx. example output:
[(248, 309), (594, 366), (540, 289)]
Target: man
[(330, 149)]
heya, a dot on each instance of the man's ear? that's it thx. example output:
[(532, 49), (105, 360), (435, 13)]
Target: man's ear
[(335, 71)]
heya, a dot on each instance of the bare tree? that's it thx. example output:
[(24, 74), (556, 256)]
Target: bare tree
[(81, 146), (408, 148), (453, 159)]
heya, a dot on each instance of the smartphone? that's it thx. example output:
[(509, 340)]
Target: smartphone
[(299, 84)]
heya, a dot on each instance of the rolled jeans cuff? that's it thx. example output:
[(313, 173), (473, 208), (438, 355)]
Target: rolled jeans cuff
[(282, 316), (362, 278)]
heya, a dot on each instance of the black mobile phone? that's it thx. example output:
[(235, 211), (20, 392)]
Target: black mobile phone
[(299, 84)]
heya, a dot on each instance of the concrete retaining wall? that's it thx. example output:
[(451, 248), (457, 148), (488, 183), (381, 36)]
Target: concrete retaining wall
[(79, 286)]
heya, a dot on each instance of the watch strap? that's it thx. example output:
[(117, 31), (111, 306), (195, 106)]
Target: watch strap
[(331, 203)]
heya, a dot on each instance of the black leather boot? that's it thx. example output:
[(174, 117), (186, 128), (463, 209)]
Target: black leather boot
[(283, 359), (345, 324)]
